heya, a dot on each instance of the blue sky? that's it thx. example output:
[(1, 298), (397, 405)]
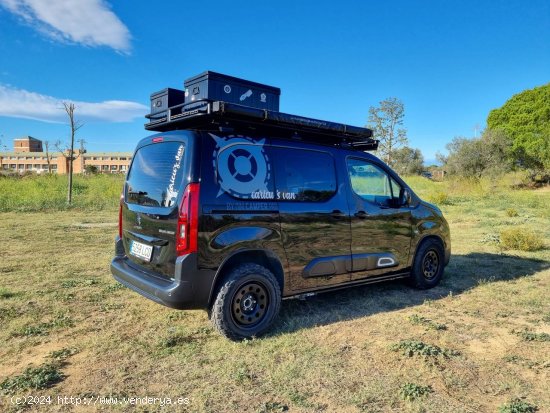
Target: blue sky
[(450, 62)]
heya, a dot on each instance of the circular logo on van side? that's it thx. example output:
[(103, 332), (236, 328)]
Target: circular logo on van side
[(227, 89), (242, 166)]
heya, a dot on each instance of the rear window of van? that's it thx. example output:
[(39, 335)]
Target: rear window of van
[(156, 175)]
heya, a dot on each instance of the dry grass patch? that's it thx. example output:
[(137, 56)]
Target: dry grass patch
[(330, 353)]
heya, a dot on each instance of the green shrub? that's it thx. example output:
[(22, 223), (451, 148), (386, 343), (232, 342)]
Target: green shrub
[(426, 322), (7, 313), (5, 293), (411, 391), (517, 406), (35, 378), (418, 348), (521, 238), (438, 198), (512, 212), (530, 336)]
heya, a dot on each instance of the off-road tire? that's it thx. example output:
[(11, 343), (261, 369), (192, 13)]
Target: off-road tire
[(246, 303), (428, 265)]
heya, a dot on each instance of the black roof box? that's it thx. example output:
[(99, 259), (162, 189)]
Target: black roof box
[(210, 113)]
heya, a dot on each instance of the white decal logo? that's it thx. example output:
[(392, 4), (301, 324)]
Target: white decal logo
[(172, 193), (263, 98), (243, 167), (227, 89), (245, 95)]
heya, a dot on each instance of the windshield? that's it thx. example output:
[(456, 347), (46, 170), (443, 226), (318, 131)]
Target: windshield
[(155, 176)]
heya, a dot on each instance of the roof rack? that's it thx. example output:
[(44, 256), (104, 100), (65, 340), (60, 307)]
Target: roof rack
[(208, 115)]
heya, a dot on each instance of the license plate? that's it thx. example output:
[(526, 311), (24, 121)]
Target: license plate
[(141, 250)]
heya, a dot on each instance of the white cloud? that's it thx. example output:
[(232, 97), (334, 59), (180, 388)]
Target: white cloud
[(20, 103), (88, 22)]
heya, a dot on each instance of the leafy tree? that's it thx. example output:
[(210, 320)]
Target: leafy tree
[(474, 158), (441, 158), (91, 170), (408, 161), (525, 118), (385, 121)]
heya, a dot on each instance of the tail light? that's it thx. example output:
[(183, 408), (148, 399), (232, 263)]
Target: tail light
[(188, 221), (120, 216)]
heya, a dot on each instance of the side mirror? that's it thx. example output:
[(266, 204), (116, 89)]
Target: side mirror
[(407, 197)]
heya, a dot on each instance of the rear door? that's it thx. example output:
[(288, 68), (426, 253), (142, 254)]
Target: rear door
[(314, 217), (381, 226), (161, 168)]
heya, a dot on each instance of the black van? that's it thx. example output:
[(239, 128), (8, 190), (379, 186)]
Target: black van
[(224, 212)]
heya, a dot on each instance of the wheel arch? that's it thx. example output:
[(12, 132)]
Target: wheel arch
[(265, 258), (422, 240)]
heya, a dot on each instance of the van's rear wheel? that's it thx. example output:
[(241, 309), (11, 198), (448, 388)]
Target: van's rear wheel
[(428, 264), (247, 302)]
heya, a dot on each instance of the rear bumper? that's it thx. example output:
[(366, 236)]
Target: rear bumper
[(190, 288)]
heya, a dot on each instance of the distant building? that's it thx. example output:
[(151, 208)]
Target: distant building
[(29, 156), (27, 144)]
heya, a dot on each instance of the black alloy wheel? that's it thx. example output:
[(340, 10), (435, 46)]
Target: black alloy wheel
[(430, 264), (250, 304), (427, 268), (246, 303)]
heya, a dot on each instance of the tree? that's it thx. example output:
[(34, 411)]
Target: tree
[(385, 121), (48, 156), (441, 159), (525, 119), (91, 169), (81, 153), (474, 158), (68, 153), (408, 161)]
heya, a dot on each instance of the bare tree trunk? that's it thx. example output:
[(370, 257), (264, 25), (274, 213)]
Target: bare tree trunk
[(69, 108), (70, 112), (48, 157), (70, 188)]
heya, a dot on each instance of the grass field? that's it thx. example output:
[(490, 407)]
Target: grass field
[(49, 192), (479, 342)]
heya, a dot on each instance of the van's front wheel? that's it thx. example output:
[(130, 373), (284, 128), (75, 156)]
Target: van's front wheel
[(428, 264), (246, 303)]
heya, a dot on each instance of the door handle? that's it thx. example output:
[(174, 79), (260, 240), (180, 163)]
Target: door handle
[(337, 214), (361, 214)]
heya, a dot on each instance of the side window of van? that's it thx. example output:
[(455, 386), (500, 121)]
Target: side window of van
[(372, 183), (303, 175)]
